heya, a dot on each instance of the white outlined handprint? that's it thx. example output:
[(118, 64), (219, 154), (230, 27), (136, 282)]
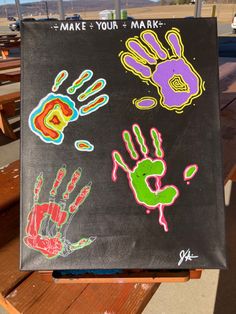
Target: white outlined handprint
[(53, 113), (48, 222), (174, 77), (144, 169)]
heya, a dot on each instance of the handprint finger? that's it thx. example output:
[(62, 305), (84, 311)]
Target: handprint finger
[(94, 105), (118, 161), (72, 183), (174, 40), (59, 79), (82, 243), (57, 182), (151, 39), (140, 139), (157, 142), (84, 193), (84, 77), (38, 186), (140, 51), (93, 89), (129, 145), (135, 66)]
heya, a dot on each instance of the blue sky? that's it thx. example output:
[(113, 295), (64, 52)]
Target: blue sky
[(13, 1)]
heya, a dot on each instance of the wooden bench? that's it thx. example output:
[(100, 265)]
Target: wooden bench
[(13, 76), (7, 36), (7, 109), (9, 64), (7, 44)]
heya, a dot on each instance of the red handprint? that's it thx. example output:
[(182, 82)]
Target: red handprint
[(46, 221)]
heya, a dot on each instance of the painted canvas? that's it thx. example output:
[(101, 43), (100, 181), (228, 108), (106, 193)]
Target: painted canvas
[(120, 152)]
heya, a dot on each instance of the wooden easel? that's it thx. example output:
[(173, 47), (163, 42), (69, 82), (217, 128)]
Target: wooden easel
[(122, 276)]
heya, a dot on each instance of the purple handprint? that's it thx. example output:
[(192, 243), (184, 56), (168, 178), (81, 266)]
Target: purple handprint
[(177, 82)]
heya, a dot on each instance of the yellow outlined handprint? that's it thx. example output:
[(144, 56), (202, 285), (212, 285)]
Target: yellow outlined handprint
[(176, 80)]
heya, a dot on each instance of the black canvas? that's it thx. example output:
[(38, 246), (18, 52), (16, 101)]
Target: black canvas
[(120, 150)]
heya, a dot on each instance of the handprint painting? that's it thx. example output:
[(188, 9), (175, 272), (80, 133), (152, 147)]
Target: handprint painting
[(120, 146), (55, 111), (146, 168), (176, 81), (48, 222)]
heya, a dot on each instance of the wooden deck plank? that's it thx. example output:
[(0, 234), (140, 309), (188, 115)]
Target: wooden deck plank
[(10, 184), (113, 298), (56, 300), (10, 275), (27, 293), (34, 295)]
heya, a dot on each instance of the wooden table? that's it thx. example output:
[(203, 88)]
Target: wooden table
[(7, 109), (7, 43), (11, 76), (7, 64)]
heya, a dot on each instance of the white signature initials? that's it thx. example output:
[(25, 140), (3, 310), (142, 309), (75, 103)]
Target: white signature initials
[(186, 256)]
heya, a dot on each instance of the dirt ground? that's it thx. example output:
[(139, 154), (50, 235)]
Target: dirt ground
[(224, 12)]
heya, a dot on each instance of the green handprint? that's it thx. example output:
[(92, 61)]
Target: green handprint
[(146, 168)]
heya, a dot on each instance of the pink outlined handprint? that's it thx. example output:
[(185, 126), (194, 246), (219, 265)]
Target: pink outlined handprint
[(146, 168), (174, 77), (48, 222)]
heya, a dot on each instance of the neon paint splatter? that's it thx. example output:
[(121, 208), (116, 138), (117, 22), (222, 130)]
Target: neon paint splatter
[(84, 146), (145, 169), (94, 105), (96, 87), (39, 236), (60, 78), (176, 81), (145, 103), (189, 172), (51, 116), (84, 77)]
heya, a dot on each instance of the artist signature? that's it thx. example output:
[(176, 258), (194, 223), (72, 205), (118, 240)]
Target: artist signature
[(186, 256)]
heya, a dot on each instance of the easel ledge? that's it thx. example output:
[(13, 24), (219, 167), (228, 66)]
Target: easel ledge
[(131, 276)]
